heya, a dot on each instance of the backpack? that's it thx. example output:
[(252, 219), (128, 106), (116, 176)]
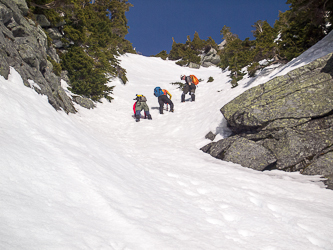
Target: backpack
[(141, 98), (194, 79), (158, 91)]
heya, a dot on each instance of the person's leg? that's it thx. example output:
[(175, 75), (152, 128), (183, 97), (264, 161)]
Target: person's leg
[(138, 108), (146, 109), (183, 98), (192, 91), (161, 103), (137, 115), (193, 97), (148, 115), (171, 106), (185, 91), (168, 101)]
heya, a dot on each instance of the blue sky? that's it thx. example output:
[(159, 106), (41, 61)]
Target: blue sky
[(153, 23)]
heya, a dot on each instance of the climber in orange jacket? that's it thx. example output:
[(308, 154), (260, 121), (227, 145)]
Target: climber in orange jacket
[(167, 93)]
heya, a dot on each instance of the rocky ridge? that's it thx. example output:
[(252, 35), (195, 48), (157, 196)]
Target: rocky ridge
[(286, 123), (25, 47)]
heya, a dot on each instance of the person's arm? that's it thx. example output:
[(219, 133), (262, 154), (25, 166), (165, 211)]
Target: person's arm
[(170, 96), (188, 80)]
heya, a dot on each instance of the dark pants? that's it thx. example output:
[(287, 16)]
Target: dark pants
[(164, 99), (189, 88)]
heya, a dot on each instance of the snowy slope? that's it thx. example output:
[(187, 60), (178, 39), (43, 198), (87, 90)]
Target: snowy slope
[(99, 180)]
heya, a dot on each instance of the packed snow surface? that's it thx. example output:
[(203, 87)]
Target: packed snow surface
[(99, 180)]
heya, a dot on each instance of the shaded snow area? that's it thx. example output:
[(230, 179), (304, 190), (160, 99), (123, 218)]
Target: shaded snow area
[(99, 180)]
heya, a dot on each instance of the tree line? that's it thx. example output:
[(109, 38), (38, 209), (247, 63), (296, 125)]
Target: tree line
[(94, 36), (296, 30)]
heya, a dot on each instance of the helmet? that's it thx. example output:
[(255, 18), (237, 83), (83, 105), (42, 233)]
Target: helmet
[(181, 77)]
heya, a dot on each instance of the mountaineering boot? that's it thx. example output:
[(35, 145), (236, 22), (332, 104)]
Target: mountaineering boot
[(148, 115), (171, 110), (183, 98), (193, 97), (137, 118)]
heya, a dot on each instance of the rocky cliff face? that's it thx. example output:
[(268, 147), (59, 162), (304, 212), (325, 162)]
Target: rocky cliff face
[(286, 123), (24, 47)]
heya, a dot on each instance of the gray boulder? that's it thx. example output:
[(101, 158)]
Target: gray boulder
[(52, 53), (210, 58), (286, 123), (24, 46), (22, 5), (42, 21), (84, 102), (322, 165), (249, 154), (54, 33), (210, 136), (303, 93), (194, 65)]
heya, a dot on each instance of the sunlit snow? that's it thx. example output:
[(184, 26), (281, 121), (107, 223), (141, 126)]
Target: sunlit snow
[(99, 180)]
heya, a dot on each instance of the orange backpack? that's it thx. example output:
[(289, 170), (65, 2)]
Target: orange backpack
[(194, 79)]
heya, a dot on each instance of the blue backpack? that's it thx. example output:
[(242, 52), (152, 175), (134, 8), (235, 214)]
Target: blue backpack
[(158, 91)]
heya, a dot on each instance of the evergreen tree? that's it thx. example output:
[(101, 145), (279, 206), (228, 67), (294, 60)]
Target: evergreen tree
[(318, 12), (189, 52), (163, 54), (265, 45), (85, 78), (235, 55), (210, 43), (306, 23), (96, 30), (176, 50), (197, 44)]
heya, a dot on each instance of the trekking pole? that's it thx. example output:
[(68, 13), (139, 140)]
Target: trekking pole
[(167, 107)]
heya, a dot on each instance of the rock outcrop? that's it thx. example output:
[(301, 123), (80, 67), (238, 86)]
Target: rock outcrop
[(24, 47), (210, 58), (286, 123)]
